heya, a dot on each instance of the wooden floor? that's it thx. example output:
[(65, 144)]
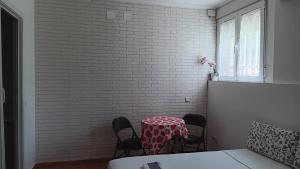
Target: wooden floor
[(86, 164)]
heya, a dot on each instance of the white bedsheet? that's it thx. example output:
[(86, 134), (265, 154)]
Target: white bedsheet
[(254, 160), (231, 159)]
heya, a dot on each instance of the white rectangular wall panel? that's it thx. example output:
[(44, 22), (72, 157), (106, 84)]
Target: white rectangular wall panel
[(232, 107)]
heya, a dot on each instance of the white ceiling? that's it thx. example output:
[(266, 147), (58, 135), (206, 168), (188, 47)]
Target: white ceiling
[(201, 4)]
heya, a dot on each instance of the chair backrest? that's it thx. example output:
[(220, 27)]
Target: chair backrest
[(195, 119), (122, 123)]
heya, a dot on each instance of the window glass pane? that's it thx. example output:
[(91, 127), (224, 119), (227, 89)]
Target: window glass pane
[(226, 61), (249, 61)]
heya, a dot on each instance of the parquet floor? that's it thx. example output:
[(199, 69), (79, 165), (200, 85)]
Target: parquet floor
[(86, 164)]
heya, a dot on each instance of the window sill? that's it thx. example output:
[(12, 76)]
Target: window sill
[(228, 81)]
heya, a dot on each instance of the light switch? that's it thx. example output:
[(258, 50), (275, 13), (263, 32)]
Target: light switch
[(110, 14)]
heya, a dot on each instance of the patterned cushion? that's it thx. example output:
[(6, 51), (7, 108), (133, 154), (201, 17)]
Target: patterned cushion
[(276, 143), (297, 158), (281, 145), (256, 137)]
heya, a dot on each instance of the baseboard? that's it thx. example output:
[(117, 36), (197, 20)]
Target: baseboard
[(66, 163)]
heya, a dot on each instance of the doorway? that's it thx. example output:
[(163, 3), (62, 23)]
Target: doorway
[(10, 85)]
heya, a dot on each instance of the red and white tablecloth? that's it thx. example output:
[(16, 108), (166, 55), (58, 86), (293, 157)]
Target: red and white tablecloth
[(158, 130)]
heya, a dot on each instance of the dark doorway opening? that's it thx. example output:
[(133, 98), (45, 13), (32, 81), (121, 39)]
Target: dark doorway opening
[(9, 41)]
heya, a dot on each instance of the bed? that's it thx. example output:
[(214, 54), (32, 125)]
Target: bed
[(268, 147), (229, 159)]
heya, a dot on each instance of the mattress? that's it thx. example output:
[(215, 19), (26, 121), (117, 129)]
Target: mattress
[(254, 160), (231, 159)]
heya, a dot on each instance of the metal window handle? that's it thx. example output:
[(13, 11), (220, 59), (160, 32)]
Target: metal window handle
[(236, 49), (3, 95)]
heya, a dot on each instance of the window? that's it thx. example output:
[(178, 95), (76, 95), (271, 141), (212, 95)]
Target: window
[(227, 60), (240, 45)]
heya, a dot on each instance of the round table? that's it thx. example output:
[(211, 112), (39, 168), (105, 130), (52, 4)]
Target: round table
[(158, 130)]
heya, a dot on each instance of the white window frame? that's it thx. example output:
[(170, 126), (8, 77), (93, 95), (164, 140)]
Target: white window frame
[(237, 17)]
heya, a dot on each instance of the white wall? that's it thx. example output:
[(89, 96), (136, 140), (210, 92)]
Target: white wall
[(287, 42), (25, 8), (270, 40), (90, 70), (233, 106)]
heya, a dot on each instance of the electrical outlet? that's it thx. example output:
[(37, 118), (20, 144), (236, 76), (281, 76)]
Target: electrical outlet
[(215, 139)]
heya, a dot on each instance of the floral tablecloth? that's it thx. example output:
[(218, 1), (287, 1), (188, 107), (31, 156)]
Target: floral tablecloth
[(158, 130)]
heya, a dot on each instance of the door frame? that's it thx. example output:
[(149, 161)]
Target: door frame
[(19, 145)]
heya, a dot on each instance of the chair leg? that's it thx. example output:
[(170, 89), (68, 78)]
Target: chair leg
[(198, 147), (126, 152), (168, 146), (182, 145), (144, 151), (115, 153), (175, 142), (172, 146)]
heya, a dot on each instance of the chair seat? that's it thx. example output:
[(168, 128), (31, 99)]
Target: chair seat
[(192, 139), (131, 144)]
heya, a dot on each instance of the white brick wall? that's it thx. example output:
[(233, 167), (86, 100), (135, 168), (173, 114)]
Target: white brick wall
[(90, 70)]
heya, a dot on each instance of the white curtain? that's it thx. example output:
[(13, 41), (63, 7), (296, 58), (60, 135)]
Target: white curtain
[(249, 63), (227, 61)]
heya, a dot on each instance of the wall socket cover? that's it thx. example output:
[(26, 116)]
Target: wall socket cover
[(215, 139)]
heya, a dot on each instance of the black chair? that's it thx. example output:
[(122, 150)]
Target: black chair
[(199, 121), (129, 144)]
